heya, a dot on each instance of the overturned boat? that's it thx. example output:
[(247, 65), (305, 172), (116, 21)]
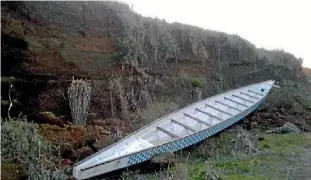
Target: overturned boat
[(176, 131)]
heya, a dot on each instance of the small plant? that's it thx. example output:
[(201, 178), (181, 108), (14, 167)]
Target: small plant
[(79, 94), (197, 83)]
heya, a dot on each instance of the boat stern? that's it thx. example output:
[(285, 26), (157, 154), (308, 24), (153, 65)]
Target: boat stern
[(76, 173)]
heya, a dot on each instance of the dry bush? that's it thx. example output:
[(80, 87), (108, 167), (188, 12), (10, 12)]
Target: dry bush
[(157, 110), (79, 95)]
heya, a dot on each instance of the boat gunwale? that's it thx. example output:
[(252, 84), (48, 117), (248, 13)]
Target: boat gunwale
[(135, 132)]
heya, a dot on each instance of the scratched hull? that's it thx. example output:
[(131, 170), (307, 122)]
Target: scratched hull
[(177, 130)]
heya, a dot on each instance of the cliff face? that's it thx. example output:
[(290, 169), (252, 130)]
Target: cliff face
[(130, 60)]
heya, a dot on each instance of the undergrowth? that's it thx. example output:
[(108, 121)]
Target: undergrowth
[(21, 144)]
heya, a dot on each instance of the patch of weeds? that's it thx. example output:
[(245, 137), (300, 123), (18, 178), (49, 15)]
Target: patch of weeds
[(263, 144), (197, 83), (192, 170), (282, 142), (197, 171), (237, 165), (215, 146), (243, 177), (21, 143)]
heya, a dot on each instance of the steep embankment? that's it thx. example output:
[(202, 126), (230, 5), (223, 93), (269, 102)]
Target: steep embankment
[(131, 60)]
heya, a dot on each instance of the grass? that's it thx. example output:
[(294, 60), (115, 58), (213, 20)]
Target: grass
[(21, 144), (276, 150), (264, 165), (244, 177), (283, 142), (293, 94)]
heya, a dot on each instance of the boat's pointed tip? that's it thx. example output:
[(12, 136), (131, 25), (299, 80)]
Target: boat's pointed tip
[(271, 82)]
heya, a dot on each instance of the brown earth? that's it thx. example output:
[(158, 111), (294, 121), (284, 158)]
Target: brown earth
[(76, 142), (10, 171), (81, 40), (268, 117)]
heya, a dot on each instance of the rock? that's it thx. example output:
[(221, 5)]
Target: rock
[(78, 154), (52, 127), (288, 128), (309, 107), (264, 108), (246, 125), (69, 154), (197, 94), (88, 138), (102, 142), (47, 118), (243, 143), (266, 115), (163, 159), (84, 152), (274, 116), (92, 116), (290, 118), (100, 130), (67, 162), (97, 122), (10, 171), (253, 125), (255, 118)]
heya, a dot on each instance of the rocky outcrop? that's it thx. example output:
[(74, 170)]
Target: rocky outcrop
[(74, 142), (286, 128), (124, 55), (271, 116)]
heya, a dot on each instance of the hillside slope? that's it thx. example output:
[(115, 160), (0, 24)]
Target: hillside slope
[(130, 60)]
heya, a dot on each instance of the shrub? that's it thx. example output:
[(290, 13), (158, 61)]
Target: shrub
[(21, 143), (197, 83), (79, 94)]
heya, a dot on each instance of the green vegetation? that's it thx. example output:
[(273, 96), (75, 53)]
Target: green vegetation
[(284, 142), (197, 83), (264, 165), (21, 143), (293, 94)]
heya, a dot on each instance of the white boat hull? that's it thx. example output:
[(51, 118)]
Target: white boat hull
[(177, 130)]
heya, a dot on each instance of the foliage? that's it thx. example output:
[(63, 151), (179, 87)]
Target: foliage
[(79, 94), (21, 143), (197, 83), (282, 142), (292, 94)]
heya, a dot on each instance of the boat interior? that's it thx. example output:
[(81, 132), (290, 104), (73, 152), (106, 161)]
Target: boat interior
[(189, 120)]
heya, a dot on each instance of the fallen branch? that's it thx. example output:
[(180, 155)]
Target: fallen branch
[(11, 103)]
